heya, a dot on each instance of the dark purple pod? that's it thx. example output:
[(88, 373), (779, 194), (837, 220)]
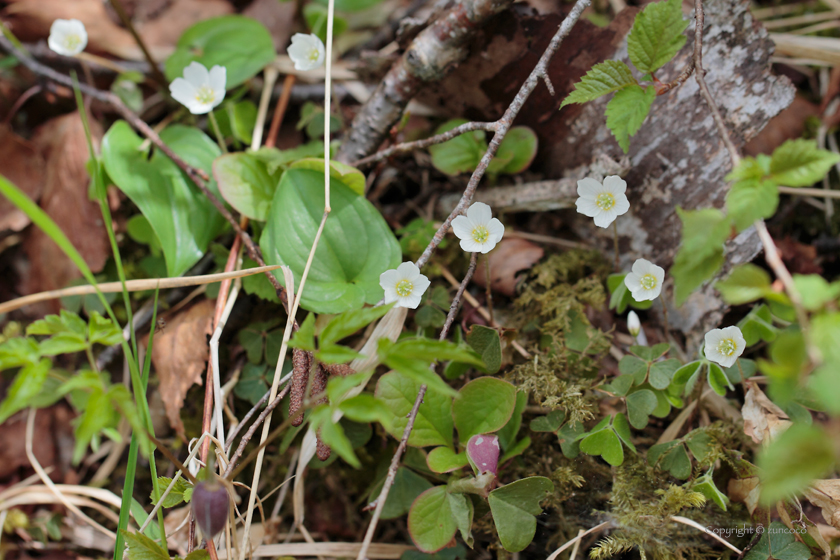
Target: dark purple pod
[(483, 451), (210, 506)]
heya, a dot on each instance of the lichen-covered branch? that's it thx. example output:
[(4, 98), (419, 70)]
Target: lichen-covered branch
[(435, 51)]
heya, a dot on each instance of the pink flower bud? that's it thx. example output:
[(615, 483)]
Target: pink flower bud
[(483, 450)]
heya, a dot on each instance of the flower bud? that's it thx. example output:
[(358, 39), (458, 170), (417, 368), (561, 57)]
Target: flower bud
[(633, 323), (210, 506), (483, 452)]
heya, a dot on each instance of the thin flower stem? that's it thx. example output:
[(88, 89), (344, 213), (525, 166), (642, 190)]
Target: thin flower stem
[(615, 244), (488, 288), (218, 132), (412, 416)]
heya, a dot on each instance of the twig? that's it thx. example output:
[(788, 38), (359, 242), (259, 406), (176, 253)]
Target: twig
[(412, 416), (504, 124), (662, 89), (159, 77), (817, 193), (426, 142), (198, 176), (238, 428), (133, 286), (280, 110), (269, 78), (692, 523), (771, 252)]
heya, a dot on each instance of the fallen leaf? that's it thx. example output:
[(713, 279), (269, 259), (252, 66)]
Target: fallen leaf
[(180, 354), (23, 165), (277, 17), (162, 33), (787, 125), (745, 490), (62, 144), (799, 257), (510, 256), (763, 419), (12, 443), (825, 494)]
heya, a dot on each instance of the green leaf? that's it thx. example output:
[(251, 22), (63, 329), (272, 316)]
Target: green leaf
[(751, 200), (485, 406), (662, 372), (603, 78), (430, 521), (343, 325), (718, 380), (507, 435), (428, 316), (367, 408), (200, 554), (799, 163), (778, 544), (621, 297), (486, 342), (281, 159), (407, 486), (462, 153), (676, 462), (316, 19), (758, 325), (793, 460), (699, 443), (516, 449), (657, 35), (333, 434), (246, 184), (744, 284), (355, 248), (815, 290), (604, 443), (639, 407), (650, 353), (27, 384), (515, 507), (622, 430), (631, 365), (701, 253), (463, 512), (620, 385), (183, 218), (706, 486), (66, 323), (141, 547), (304, 338), (686, 374), (176, 495), (569, 438), (102, 330), (63, 343), (627, 111), (241, 44), (516, 152), (444, 460), (347, 174), (18, 352), (433, 425), (551, 422)]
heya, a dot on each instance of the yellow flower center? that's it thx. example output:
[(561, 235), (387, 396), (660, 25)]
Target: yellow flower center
[(648, 281), (404, 288), (727, 347), (480, 234), (313, 55), (205, 94), (605, 201), (72, 41)]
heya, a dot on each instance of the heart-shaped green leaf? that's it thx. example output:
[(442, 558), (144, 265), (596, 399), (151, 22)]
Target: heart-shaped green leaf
[(241, 44), (551, 422), (355, 248), (183, 219), (778, 544), (433, 425), (430, 521), (606, 444), (486, 404), (631, 365), (514, 508), (677, 463), (662, 372), (444, 460), (640, 405)]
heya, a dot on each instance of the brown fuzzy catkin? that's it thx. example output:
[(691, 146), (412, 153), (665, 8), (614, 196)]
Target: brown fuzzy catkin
[(338, 369), (301, 362)]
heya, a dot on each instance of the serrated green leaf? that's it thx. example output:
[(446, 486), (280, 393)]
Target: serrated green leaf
[(626, 112), (304, 338), (799, 163), (18, 352), (176, 495), (603, 78), (744, 284), (701, 253), (367, 408), (657, 35), (27, 384), (333, 434), (750, 200), (793, 460), (141, 547), (102, 330)]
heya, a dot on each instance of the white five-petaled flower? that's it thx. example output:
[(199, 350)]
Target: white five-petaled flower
[(67, 37), (306, 51), (478, 231), (604, 202), (404, 285), (200, 90), (723, 346), (645, 282)]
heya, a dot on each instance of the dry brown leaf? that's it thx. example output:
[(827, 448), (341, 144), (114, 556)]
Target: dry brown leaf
[(763, 420), (62, 144), (277, 17), (12, 443), (825, 494), (162, 33), (745, 490), (23, 165), (180, 354), (510, 256), (787, 125)]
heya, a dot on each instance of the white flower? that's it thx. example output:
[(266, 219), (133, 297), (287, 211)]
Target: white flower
[(199, 90), (306, 51), (603, 202), (645, 282), (723, 346), (633, 323), (405, 285), (67, 37), (478, 231)]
